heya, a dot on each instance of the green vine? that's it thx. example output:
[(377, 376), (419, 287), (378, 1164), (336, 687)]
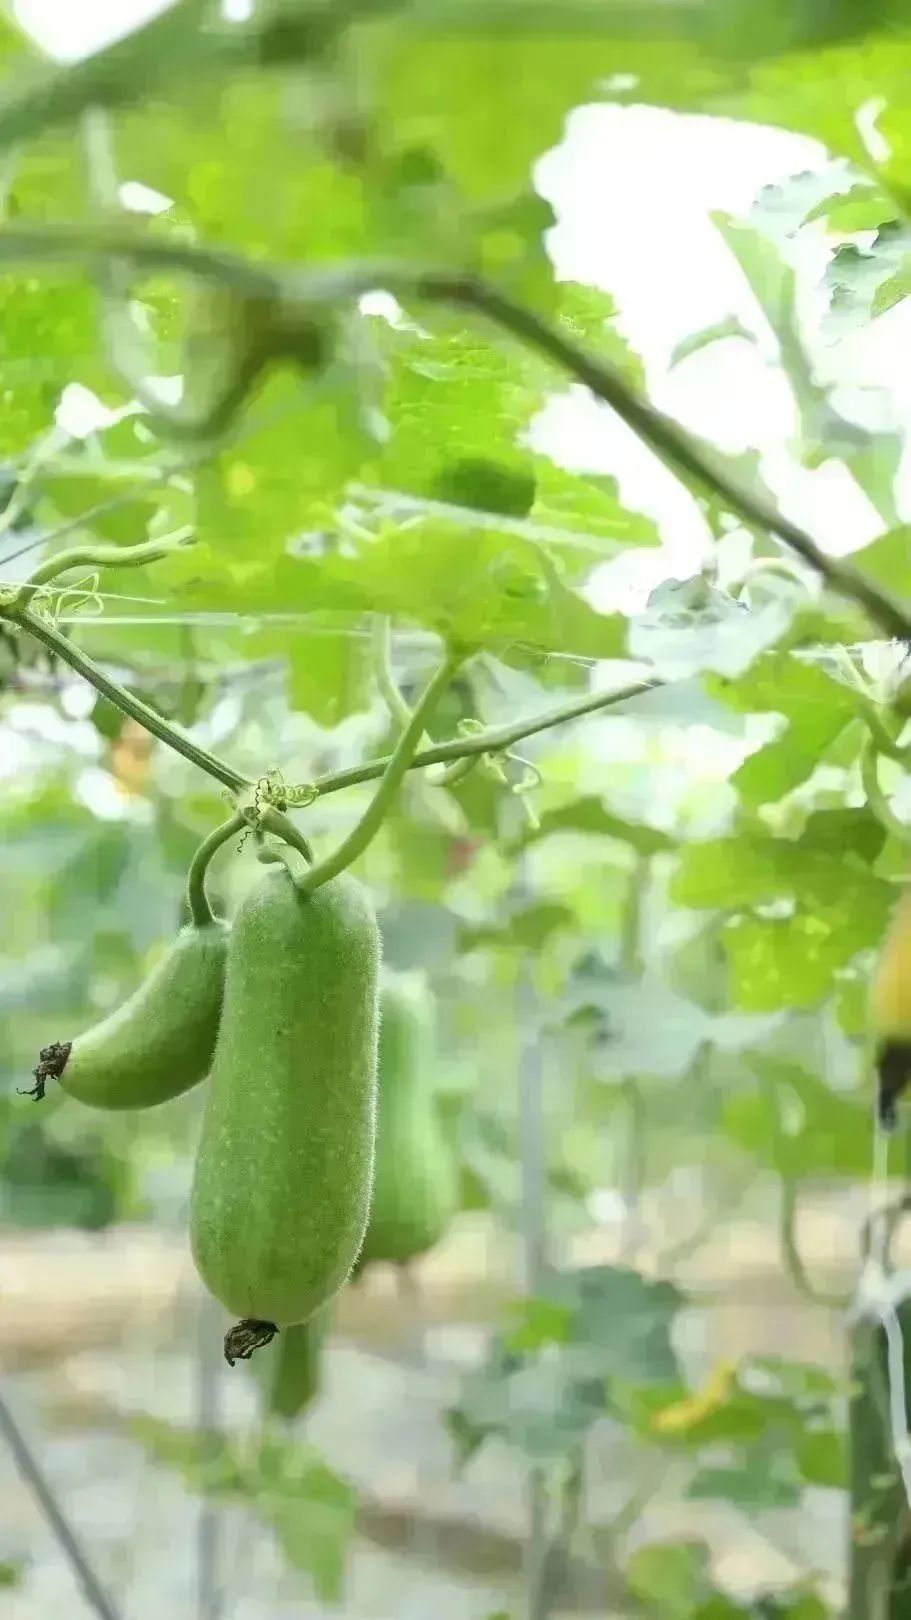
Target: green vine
[(197, 899), (399, 763)]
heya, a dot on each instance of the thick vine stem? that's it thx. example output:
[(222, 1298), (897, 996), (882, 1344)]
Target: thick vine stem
[(197, 899), (452, 774), (399, 710), (491, 741), (284, 855), (877, 802), (464, 748), (399, 763), (275, 821), (123, 700), (99, 556)]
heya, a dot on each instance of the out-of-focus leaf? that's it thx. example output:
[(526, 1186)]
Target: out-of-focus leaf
[(760, 1482), (887, 560), (591, 815), (289, 1486), (670, 1579), (549, 1376), (816, 708), (865, 282), (797, 1125), (690, 627)]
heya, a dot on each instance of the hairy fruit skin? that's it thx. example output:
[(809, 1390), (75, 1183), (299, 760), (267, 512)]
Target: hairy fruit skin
[(281, 1187), (160, 1042), (414, 1190)]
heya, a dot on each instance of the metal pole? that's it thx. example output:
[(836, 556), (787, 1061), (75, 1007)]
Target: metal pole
[(534, 1261), (208, 1415), (66, 1537)]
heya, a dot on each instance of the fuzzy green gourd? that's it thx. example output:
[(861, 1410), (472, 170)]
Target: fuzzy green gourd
[(415, 1194), (281, 1188), (289, 1369), (158, 1043)]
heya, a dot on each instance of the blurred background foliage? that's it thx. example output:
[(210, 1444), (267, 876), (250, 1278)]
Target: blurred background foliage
[(678, 938)]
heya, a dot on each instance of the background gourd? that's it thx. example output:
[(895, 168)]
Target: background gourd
[(415, 1193)]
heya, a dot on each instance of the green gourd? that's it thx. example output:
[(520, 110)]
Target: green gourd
[(415, 1194), (281, 1187), (288, 1371), (159, 1042)]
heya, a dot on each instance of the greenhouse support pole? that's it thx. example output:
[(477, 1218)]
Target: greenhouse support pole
[(534, 1260)]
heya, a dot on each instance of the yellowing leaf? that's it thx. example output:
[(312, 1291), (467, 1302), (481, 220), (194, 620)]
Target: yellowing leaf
[(684, 1415)]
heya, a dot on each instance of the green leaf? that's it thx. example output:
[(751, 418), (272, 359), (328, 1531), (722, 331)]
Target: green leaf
[(538, 1322), (750, 870), (670, 1579), (689, 627), (795, 1124), (310, 1509), (624, 1317), (590, 815), (759, 1482), (549, 1376), (328, 665), (486, 485), (314, 1521), (587, 504), (864, 207), (856, 277), (453, 396), (887, 560), (780, 209), (816, 708), (588, 315), (829, 910), (821, 1456), (760, 246)]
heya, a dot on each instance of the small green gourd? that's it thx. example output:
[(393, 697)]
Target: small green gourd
[(415, 1193), (158, 1043), (281, 1187), (289, 1370)]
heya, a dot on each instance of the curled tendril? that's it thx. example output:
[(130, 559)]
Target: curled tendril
[(271, 789), (81, 596), (494, 765), (530, 779)]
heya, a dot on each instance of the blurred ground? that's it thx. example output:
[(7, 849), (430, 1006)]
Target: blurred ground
[(94, 1329)]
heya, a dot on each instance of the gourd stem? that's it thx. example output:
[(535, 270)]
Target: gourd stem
[(272, 820), (197, 899), (450, 775), (399, 710), (877, 802), (400, 762)]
